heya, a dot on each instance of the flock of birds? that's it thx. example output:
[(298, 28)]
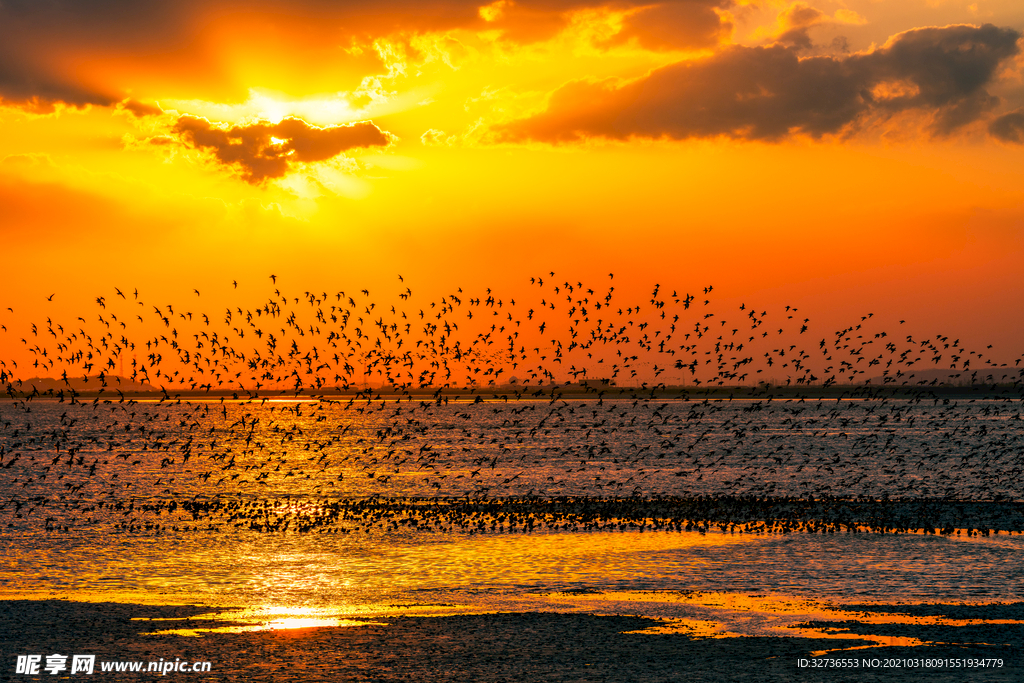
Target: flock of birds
[(322, 342), (478, 413)]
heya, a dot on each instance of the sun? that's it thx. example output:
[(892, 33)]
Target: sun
[(273, 107)]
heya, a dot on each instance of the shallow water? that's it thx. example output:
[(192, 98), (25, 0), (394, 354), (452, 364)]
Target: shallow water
[(303, 570), (964, 449), (83, 485)]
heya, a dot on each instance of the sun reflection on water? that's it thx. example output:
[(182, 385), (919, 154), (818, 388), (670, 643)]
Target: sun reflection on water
[(264, 618), (696, 585)]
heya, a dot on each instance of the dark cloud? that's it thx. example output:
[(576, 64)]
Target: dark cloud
[(767, 93), (669, 24), (797, 21), (43, 42), (140, 109), (252, 149), (1009, 127), (34, 89), (675, 25)]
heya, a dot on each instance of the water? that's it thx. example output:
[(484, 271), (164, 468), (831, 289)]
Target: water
[(295, 569), (968, 450), (98, 501)]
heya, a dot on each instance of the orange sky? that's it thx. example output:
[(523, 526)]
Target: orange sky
[(844, 157)]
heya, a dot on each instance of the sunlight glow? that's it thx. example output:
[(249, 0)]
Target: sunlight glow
[(271, 106)]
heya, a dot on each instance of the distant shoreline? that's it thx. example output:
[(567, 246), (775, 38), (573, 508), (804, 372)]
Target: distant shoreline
[(551, 392)]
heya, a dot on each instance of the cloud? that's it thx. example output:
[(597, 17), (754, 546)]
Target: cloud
[(82, 52), (44, 43), (76, 53), (676, 25), (796, 22), (33, 89), (1009, 127), (433, 137), (139, 109), (29, 159), (266, 150), (768, 93)]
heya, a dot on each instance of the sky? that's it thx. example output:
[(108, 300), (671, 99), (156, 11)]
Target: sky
[(845, 158)]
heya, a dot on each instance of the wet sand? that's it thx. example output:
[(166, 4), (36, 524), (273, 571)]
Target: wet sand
[(514, 647)]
